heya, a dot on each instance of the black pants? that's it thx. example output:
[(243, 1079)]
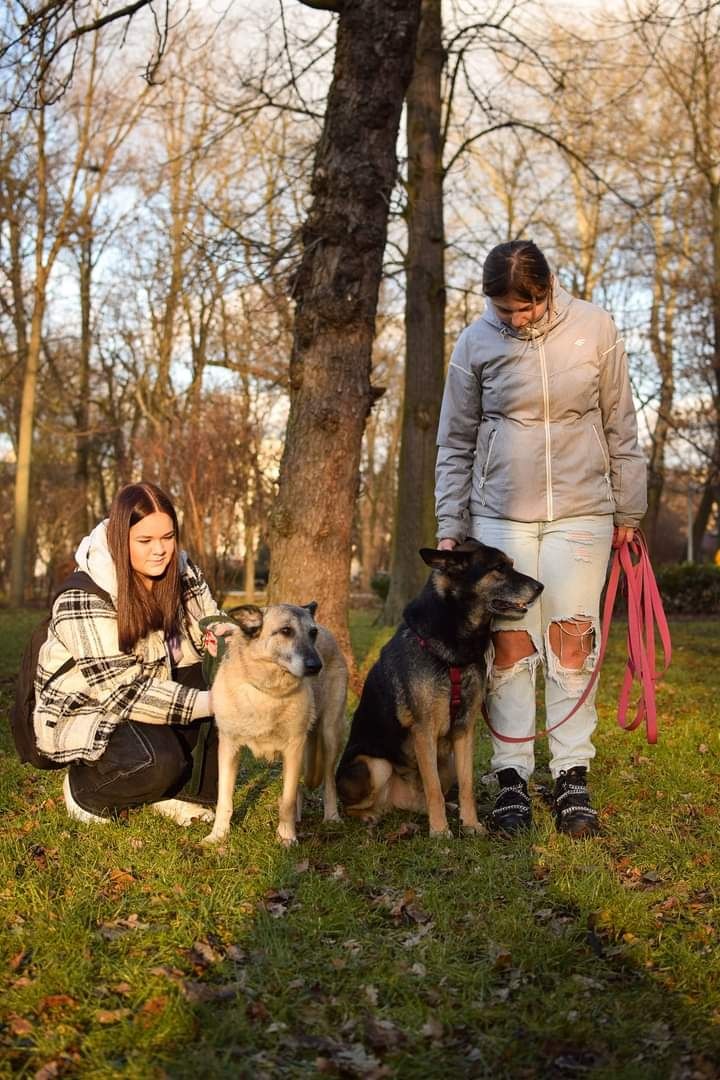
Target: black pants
[(144, 763)]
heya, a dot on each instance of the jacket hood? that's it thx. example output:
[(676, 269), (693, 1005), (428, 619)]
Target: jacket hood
[(93, 556), (561, 302)]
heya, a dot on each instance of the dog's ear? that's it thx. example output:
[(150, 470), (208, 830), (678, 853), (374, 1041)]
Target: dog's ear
[(249, 617), (453, 561), (311, 607)]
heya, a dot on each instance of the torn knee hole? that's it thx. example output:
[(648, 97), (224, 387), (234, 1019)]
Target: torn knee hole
[(572, 641), (500, 676)]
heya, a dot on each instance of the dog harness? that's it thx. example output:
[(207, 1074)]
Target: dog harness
[(455, 674)]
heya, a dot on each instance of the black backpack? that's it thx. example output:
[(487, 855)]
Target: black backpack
[(21, 712)]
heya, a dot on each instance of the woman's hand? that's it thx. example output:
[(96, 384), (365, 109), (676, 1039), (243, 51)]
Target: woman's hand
[(623, 534), (219, 629), (447, 544)]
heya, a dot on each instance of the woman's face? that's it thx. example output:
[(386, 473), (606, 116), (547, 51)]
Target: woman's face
[(152, 545), (519, 313)]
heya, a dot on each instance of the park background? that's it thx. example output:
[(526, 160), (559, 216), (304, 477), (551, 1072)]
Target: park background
[(237, 243)]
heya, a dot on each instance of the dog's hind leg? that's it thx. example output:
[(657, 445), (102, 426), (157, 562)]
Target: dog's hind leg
[(463, 745), (292, 767), (425, 745), (228, 758)]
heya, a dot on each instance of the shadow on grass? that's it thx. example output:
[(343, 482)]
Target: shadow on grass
[(360, 953), (386, 953)]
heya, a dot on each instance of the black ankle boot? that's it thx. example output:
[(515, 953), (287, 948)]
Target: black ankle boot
[(574, 814), (512, 812)]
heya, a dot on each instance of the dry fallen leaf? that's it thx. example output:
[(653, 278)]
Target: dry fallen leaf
[(203, 955), (112, 1016), (257, 1012), (19, 1025), (382, 1034), (276, 902), (19, 960), (155, 1005), (50, 1070), (432, 1029), (56, 1001), (115, 928)]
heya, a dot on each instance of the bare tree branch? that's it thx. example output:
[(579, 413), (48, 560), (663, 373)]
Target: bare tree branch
[(58, 27), (559, 143)]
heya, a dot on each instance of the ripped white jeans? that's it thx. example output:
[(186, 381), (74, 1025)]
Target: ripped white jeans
[(570, 557)]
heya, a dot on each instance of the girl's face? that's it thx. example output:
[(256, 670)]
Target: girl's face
[(152, 545), (519, 313)]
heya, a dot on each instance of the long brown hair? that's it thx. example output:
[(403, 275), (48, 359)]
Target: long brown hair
[(518, 267), (140, 610)]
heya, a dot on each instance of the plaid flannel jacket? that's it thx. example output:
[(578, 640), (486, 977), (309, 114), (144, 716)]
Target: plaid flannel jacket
[(77, 713)]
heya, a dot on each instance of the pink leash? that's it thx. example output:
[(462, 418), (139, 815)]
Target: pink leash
[(645, 617)]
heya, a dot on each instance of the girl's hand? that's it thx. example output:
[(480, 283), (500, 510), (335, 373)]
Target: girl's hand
[(447, 544), (623, 534), (219, 629)]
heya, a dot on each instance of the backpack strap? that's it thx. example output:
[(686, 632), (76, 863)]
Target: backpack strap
[(77, 580), (80, 580)]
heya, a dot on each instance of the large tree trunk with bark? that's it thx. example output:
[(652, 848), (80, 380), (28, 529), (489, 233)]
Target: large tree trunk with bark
[(712, 485), (424, 319), (336, 290), (662, 333)]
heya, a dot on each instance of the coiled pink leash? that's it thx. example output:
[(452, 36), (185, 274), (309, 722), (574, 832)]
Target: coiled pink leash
[(630, 567)]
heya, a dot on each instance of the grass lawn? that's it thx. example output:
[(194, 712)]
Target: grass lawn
[(128, 950)]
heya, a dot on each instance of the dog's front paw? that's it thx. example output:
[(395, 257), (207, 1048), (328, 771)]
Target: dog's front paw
[(331, 816), (286, 835), (473, 828), (444, 834), (213, 838)]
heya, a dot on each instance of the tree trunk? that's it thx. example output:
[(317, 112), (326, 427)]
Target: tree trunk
[(662, 318), (709, 497), (18, 568), (336, 290), (424, 319), (82, 413), (249, 567)]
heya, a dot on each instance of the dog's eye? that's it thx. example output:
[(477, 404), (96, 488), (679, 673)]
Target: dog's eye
[(286, 631), (312, 634)]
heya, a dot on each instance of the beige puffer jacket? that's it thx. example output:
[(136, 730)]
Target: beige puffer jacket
[(539, 425)]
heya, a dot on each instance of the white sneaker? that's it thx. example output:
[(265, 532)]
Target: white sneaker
[(183, 813), (76, 812)]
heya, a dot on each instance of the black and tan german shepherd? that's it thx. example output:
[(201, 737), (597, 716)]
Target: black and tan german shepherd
[(412, 735)]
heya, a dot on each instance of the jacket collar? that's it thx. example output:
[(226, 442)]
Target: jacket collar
[(561, 302)]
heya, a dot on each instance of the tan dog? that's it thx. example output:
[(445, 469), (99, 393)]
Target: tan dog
[(280, 690)]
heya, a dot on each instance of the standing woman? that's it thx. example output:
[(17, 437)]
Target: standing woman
[(118, 687), (538, 455)]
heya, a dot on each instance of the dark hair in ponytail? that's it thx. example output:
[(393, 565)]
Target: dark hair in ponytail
[(518, 267), (141, 610)]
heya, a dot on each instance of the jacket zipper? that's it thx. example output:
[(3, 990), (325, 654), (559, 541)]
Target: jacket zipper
[(546, 415), (606, 462), (486, 466)]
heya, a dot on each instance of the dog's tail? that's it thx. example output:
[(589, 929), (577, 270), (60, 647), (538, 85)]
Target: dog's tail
[(313, 771)]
